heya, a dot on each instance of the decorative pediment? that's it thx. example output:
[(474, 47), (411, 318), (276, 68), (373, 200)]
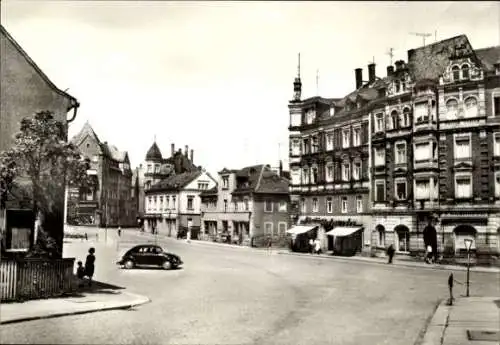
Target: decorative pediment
[(400, 170), (463, 166)]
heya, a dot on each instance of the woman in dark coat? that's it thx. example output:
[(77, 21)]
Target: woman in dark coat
[(89, 265)]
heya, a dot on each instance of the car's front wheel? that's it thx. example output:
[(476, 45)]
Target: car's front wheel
[(129, 264), (167, 265)]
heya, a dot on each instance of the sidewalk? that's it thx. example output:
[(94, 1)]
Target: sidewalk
[(99, 297), (398, 261), (469, 321)]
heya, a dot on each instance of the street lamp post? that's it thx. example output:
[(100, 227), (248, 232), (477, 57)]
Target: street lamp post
[(468, 244)]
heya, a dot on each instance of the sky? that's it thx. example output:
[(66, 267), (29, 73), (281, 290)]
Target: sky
[(217, 76)]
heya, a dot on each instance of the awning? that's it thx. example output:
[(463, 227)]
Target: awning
[(343, 231), (300, 229)]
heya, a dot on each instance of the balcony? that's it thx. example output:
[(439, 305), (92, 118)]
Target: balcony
[(398, 132), (430, 164), (425, 126), (463, 123)]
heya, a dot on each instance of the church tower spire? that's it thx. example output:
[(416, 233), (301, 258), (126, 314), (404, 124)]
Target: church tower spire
[(297, 84)]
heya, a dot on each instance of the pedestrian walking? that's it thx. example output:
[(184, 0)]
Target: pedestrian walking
[(80, 273), (450, 288), (311, 246), (86, 237), (119, 231), (390, 253), (317, 246), (269, 244), (90, 265)]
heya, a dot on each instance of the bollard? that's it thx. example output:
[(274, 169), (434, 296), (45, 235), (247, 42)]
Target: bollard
[(450, 287)]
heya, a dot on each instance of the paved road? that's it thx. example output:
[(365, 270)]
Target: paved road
[(241, 296)]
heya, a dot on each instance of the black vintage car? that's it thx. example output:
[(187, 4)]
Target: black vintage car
[(149, 255)]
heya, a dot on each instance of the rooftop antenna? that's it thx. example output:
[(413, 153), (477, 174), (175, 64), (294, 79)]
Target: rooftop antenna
[(391, 54), (317, 82), (298, 68), (421, 34)]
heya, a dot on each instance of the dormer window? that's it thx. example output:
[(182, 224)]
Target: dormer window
[(332, 110), (456, 73), (465, 71), (310, 116)]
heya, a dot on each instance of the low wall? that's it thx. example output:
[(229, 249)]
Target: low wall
[(34, 278)]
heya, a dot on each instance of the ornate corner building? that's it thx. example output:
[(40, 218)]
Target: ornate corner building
[(413, 158)]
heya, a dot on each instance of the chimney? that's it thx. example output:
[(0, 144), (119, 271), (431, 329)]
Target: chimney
[(186, 151), (371, 72), (390, 70), (359, 77), (281, 169), (172, 149), (191, 159), (179, 151), (399, 64)]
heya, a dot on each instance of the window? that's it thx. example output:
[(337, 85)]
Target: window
[(247, 206), (202, 185), (225, 205), (381, 237), (422, 190), (95, 158), (356, 136), (356, 173), (471, 107), (329, 141), (462, 148), (422, 152), (303, 205), (305, 176), (282, 206), (282, 228), (173, 202), (496, 105), (161, 203), (295, 148), (310, 116), (406, 117), (379, 190), (403, 240), (397, 86), (400, 153), (497, 184), (225, 182), (344, 204), (346, 172), (268, 206), (456, 73), (148, 184), (332, 110), (400, 190), (329, 205), (465, 71), (379, 156), (315, 205), (150, 168), (379, 122), (395, 120), (421, 112), (359, 204), (345, 138), (305, 146), (268, 228), (314, 175), (452, 109), (496, 144), (190, 204), (154, 203), (463, 186), (329, 173), (157, 168)]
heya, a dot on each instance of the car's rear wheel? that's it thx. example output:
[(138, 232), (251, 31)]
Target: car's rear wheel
[(129, 264), (167, 265)]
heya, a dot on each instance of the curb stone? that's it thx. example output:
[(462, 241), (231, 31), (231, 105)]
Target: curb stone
[(140, 300)]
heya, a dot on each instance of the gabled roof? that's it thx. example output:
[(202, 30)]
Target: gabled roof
[(260, 179), (272, 183), (176, 182), (74, 102), (489, 57), (112, 152), (154, 153), (319, 99), (86, 130)]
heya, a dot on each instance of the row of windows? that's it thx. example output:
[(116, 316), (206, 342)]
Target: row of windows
[(164, 202), (344, 205), (244, 205), (270, 231), (312, 144), (311, 175)]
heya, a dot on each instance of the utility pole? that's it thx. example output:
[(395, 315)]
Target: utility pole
[(391, 54), (421, 34)]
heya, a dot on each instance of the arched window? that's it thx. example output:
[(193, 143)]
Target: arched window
[(403, 238), (406, 117), (456, 73), (380, 236), (397, 86), (451, 109), (395, 119), (470, 107), (465, 71)]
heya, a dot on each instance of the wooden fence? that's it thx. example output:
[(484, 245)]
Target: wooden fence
[(28, 278)]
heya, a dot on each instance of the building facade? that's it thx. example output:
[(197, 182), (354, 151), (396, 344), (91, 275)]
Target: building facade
[(26, 90), (173, 205), (433, 147), (109, 201), (247, 207), (329, 161), (156, 168)]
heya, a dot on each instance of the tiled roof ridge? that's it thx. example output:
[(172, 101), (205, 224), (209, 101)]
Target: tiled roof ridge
[(442, 41)]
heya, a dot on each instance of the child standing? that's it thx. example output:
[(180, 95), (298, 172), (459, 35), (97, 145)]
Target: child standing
[(80, 273)]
